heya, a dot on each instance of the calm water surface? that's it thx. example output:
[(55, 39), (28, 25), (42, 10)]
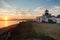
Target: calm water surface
[(7, 23)]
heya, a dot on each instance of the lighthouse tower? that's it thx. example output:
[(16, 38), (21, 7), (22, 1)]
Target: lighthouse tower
[(45, 16), (46, 13)]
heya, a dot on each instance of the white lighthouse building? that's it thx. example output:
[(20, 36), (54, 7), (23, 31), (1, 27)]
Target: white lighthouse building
[(47, 18)]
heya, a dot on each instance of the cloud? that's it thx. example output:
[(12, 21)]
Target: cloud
[(6, 5), (2, 10), (58, 7), (9, 10), (54, 10), (39, 10)]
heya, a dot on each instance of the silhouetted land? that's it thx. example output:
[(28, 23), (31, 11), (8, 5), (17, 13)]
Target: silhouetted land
[(25, 31)]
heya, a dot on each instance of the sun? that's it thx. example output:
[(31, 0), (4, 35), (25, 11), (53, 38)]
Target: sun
[(5, 18)]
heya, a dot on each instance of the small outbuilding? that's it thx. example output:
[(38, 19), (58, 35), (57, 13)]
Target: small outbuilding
[(58, 19)]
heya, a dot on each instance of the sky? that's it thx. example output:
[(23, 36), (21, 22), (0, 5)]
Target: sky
[(27, 8)]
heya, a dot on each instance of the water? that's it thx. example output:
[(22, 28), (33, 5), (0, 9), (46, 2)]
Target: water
[(7, 23)]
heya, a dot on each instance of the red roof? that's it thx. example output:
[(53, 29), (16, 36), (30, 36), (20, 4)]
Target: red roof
[(58, 16)]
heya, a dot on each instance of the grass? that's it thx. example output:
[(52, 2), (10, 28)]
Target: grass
[(44, 36), (29, 29)]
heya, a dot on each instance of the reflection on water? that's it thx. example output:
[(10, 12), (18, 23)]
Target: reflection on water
[(7, 23)]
